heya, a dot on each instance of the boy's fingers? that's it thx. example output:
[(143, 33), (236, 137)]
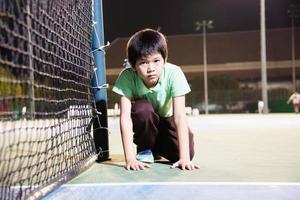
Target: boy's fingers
[(146, 165), (174, 165), (192, 166), (185, 166), (137, 166), (142, 167), (189, 167)]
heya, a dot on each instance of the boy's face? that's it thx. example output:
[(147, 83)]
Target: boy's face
[(149, 68)]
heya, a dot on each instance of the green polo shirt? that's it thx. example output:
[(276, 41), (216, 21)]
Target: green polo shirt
[(172, 83)]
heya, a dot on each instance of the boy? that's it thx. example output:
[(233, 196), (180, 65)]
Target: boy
[(152, 105)]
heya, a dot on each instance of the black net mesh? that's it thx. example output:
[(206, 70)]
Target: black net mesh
[(46, 105)]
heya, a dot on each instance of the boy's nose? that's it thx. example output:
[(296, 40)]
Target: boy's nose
[(151, 67)]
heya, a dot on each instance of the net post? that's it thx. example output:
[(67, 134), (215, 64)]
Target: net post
[(30, 52), (100, 93)]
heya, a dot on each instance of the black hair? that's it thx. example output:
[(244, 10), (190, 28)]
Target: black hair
[(144, 43)]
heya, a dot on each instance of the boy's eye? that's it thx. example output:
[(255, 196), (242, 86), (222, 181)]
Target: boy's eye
[(142, 64)]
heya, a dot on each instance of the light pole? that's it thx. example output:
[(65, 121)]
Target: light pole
[(263, 55), (204, 24), (293, 12)]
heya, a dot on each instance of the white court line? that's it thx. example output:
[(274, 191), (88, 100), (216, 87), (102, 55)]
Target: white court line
[(184, 183)]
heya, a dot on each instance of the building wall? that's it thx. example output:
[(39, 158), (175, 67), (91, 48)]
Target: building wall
[(233, 53)]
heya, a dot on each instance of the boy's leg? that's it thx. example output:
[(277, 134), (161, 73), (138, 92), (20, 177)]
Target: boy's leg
[(167, 141), (145, 124)]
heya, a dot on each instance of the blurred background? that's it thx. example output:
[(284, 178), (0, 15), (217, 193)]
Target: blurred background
[(221, 38)]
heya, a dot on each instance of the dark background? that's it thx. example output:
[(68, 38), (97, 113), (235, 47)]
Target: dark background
[(124, 17)]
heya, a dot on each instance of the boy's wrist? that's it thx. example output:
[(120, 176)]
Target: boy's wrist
[(130, 158), (185, 157)]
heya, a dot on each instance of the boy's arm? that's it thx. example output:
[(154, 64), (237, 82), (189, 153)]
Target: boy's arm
[(127, 135), (183, 135)]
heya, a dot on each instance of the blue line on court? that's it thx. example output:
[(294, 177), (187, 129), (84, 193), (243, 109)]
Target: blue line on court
[(174, 191)]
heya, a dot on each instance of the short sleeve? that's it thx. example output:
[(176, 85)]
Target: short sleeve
[(124, 83), (179, 84)]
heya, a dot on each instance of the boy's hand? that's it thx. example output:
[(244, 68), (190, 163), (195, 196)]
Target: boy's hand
[(184, 164), (136, 165)]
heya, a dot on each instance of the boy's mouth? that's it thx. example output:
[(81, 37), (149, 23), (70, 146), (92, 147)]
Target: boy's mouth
[(152, 76)]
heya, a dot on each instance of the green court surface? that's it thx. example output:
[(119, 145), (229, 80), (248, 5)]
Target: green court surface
[(229, 148), (241, 156)]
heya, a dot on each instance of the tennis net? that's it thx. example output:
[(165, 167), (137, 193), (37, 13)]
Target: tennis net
[(46, 103)]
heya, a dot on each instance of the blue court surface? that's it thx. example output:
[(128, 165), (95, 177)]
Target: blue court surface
[(191, 191), (241, 156)]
